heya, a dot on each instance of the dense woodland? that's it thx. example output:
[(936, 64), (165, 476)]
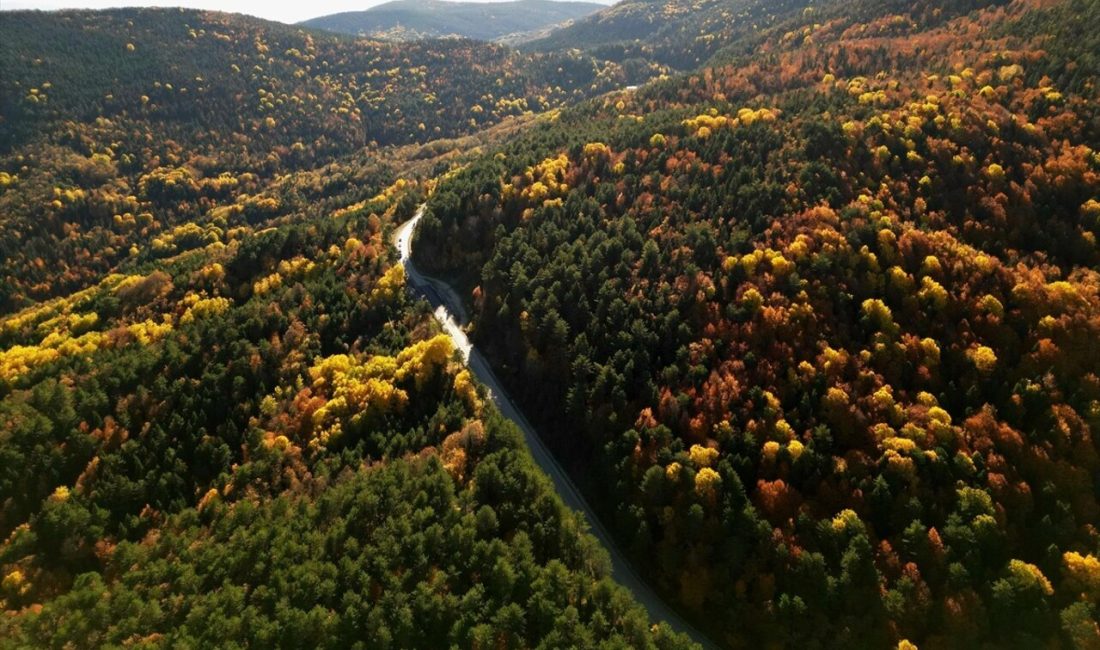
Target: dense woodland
[(812, 316), (118, 127), (266, 443), (410, 20), (830, 309), (224, 422)]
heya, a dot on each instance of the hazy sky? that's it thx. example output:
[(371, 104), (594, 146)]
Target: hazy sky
[(287, 12)]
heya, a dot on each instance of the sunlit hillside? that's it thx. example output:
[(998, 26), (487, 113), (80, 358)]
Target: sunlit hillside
[(726, 324)]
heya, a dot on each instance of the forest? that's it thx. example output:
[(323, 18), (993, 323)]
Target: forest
[(267, 443), (805, 296), (830, 314), (225, 422), (109, 138)]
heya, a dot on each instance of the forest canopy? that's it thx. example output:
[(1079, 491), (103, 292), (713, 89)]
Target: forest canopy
[(829, 308), (810, 314)]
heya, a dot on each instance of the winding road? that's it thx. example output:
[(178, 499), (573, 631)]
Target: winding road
[(451, 315)]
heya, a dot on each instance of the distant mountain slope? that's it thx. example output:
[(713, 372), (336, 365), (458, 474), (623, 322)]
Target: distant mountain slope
[(412, 19), (679, 33), (166, 87), (685, 34)]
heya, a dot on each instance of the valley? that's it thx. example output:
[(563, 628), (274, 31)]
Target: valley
[(666, 324)]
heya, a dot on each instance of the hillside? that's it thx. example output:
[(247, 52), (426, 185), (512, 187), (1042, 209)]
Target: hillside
[(809, 316), (117, 126), (821, 318), (408, 20), (682, 34), (223, 419), (262, 439), (685, 34)]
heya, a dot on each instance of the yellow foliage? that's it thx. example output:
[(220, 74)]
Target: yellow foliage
[(545, 180), (204, 308), (847, 519), (931, 264), (467, 390), (363, 389), (1082, 572), (703, 456), (357, 391), (211, 497), (933, 292), (295, 268), (749, 261), (878, 312), (266, 284), (1061, 293), (983, 358), (15, 583), (597, 150), (707, 481), (149, 331), (389, 286), (422, 359), (18, 360), (752, 299), (937, 414), (883, 397), (903, 445), (212, 272), (836, 398), (672, 471), (902, 465), (781, 265), (931, 349), (991, 305), (899, 278), (1031, 574)]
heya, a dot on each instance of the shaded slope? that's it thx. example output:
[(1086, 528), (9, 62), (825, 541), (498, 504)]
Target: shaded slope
[(413, 19)]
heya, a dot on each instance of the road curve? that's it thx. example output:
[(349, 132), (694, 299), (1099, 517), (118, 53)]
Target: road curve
[(451, 314)]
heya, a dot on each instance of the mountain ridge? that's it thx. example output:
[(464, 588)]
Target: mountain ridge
[(417, 19)]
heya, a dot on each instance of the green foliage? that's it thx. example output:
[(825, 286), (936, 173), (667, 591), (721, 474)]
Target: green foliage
[(409, 20), (141, 133), (821, 257), (390, 556)]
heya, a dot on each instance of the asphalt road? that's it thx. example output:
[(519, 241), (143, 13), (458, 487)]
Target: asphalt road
[(451, 315)]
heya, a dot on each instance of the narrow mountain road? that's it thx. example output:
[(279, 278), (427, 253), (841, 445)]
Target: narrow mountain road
[(451, 315)]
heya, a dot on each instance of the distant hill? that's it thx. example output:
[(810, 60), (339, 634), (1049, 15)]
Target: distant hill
[(682, 34), (487, 21), (685, 34), (194, 82)]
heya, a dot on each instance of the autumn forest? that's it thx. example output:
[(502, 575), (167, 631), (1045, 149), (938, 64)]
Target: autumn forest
[(802, 297)]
